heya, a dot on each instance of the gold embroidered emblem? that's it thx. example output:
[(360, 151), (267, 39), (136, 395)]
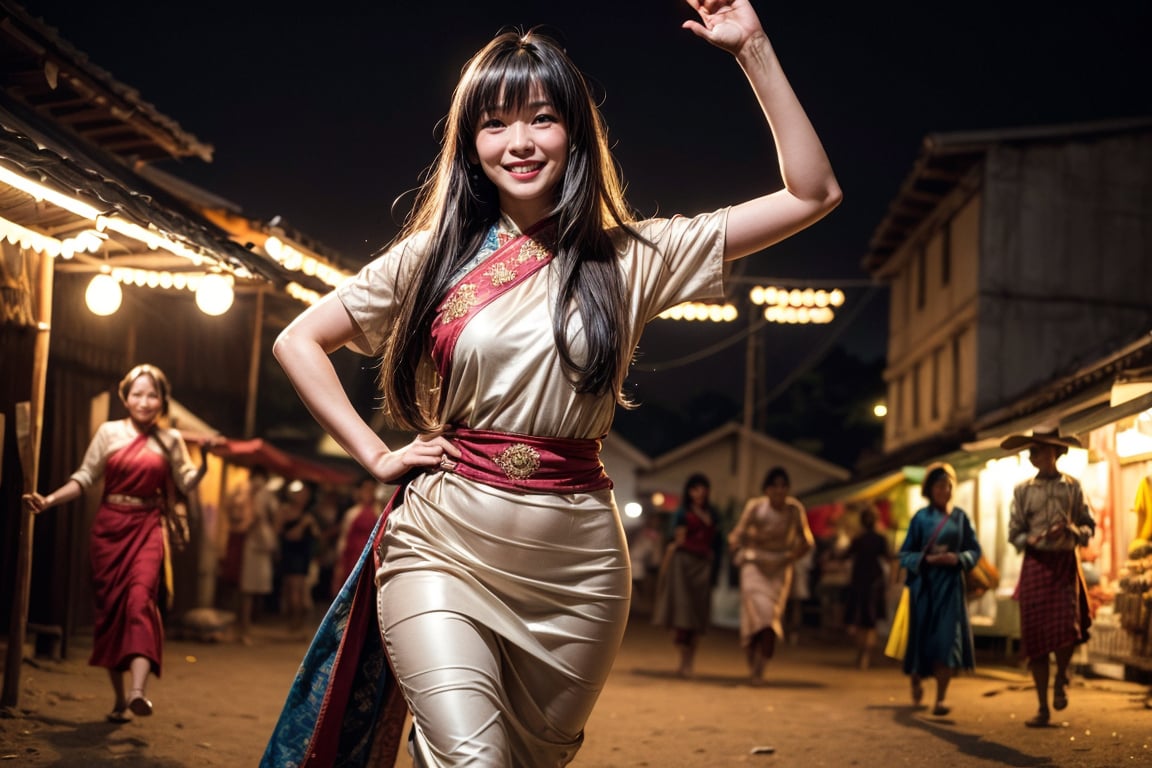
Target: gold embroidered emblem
[(501, 274), (519, 461), (458, 304), (531, 250)]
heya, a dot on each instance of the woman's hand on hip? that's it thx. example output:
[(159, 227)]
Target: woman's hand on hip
[(431, 451)]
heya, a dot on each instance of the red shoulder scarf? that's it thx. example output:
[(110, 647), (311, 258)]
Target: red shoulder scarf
[(508, 266)]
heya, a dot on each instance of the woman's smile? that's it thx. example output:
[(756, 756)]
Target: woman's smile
[(523, 150)]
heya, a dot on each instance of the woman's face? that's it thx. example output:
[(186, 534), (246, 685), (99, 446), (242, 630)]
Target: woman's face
[(143, 401), (524, 153), (777, 492), (698, 495), (941, 492)]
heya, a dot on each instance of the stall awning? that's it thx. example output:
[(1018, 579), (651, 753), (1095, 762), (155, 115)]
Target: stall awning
[(863, 490), (256, 451)]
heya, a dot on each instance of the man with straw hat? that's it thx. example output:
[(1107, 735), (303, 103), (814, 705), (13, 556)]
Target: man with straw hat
[(1050, 519)]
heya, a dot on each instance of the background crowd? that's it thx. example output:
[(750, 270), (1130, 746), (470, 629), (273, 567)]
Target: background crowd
[(289, 547)]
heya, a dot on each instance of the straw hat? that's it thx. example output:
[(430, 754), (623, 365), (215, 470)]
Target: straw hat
[(1039, 436)]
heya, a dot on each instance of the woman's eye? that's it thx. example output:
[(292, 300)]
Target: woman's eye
[(545, 118), (490, 124)]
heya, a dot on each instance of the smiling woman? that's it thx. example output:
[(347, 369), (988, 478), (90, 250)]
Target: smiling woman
[(505, 315), (523, 150), (138, 460)]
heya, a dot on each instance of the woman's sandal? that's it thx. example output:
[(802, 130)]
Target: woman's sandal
[(119, 716), (941, 709), (139, 705), (1040, 720), (1060, 694)]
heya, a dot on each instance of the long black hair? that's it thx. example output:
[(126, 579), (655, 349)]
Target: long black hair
[(457, 204)]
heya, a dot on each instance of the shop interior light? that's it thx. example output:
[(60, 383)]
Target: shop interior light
[(1136, 439), (103, 295)]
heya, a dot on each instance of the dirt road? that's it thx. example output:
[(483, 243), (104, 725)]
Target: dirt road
[(216, 704)]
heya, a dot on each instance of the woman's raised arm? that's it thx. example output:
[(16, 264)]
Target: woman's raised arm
[(810, 187)]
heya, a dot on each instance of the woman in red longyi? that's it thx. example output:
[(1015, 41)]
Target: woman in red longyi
[(137, 459)]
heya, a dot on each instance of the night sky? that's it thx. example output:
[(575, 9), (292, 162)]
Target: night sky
[(327, 116)]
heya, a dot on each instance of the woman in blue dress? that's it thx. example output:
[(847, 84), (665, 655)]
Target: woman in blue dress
[(939, 549)]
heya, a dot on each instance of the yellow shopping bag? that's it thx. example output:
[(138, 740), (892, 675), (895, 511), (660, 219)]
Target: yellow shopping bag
[(898, 634)]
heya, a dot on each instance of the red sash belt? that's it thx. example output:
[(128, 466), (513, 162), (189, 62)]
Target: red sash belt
[(123, 500), (526, 463)]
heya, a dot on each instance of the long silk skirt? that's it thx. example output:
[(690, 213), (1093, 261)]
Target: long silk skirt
[(126, 548), (501, 614)]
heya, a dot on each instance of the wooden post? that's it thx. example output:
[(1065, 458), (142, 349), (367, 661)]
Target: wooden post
[(744, 459), (254, 365), (29, 423)]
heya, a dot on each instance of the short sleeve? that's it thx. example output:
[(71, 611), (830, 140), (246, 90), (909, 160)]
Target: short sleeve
[(675, 260), (370, 296)]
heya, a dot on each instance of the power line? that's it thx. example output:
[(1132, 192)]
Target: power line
[(817, 354), (803, 282)]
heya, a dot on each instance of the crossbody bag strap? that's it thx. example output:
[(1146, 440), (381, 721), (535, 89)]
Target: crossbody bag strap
[(935, 533)]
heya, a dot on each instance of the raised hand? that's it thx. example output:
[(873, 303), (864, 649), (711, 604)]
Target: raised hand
[(727, 24)]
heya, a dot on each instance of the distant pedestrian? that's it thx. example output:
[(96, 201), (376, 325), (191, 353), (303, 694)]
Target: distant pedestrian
[(1050, 518), (329, 511), (684, 587), (646, 552), (871, 558), (938, 549), (298, 532), (770, 536), (137, 460), (356, 528), (258, 564)]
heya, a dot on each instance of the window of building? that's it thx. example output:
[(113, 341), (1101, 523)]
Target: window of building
[(921, 278), (946, 254), (955, 371), (915, 382), (937, 354)]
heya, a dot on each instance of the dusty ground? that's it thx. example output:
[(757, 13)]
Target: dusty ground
[(217, 702)]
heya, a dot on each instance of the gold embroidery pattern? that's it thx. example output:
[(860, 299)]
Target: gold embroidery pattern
[(500, 274), (531, 250), (519, 461), (459, 304)]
